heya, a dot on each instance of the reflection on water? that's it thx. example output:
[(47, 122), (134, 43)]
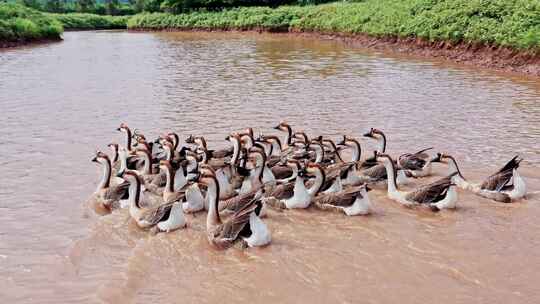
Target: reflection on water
[(62, 101)]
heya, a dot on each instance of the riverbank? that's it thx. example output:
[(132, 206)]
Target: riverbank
[(20, 26), (499, 35)]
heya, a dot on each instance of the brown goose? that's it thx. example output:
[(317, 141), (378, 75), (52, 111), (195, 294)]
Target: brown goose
[(503, 186), (109, 195), (243, 225), (438, 195), (165, 217)]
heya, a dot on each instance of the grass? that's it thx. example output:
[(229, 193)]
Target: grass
[(21, 24), (513, 24), (78, 21)]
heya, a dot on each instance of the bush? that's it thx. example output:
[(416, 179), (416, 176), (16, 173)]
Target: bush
[(19, 23), (81, 21), (495, 22)]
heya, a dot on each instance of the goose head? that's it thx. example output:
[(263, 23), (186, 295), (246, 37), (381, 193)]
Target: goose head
[(374, 133), (283, 126), (174, 139), (101, 158), (256, 157), (301, 136), (123, 128)]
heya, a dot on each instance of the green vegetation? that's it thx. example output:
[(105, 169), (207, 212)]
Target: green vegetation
[(22, 24), (80, 21), (496, 22)]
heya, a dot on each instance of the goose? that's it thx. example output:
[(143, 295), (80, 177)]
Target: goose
[(441, 194), (296, 195), (163, 218), (417, 164), (379, 136), (504, 186), (200, 142), (352, 201), (256, 172), (243, 226), (285, 127), (124, 128), (109, 195), (147, 172), (257, 185), (194, 200), (115, 162)]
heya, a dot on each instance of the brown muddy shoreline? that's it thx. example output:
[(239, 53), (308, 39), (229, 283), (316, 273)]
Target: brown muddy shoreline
[(18, 43), (503, 59)]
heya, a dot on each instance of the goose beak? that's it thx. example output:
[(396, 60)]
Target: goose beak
[(120, 174), (94, 159), (227, 138), (277, 128), (118, 129), (368, 134), (368, 189)]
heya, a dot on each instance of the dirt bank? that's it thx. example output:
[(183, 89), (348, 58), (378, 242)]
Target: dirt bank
[(12, 44)]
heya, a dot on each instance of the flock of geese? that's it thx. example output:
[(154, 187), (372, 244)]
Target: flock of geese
[(161, 180)]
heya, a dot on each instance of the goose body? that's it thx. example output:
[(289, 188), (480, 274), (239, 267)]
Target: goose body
[(223, 235), (430, 194), (109, 195), (172, 218), (194, 200)]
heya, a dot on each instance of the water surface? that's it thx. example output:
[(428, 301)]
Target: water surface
[(61, 102)]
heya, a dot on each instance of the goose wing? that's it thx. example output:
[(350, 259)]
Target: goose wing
[(283, 191), (377, 172), (237, 202), (157, 214), (341, 199), (500, 179), (227, 233), (414, 161), (117, 192), (430, 193), (281, 172), (221, 153)]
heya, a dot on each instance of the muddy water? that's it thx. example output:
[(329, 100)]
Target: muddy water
[(61, 102)]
